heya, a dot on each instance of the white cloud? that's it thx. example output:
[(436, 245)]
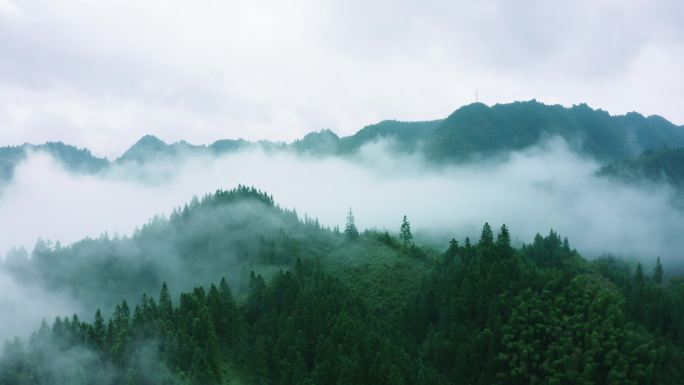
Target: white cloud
[(531, 191), (8, 8), (28, 305), (535, 190)]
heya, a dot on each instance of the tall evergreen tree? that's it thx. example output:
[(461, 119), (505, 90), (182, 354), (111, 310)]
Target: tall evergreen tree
[(487, 237), (503, 239), (658, 272), (639, 275), (165, 304), (350, 230), (405, 232), (99, 330)]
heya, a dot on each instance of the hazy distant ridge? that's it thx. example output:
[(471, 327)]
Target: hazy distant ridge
[(475, 129)]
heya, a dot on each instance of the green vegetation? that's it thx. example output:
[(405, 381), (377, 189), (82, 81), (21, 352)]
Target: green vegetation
[(479, 129), (323, 307), (472, 130), (72, 158), (228, 233), (664, 165)]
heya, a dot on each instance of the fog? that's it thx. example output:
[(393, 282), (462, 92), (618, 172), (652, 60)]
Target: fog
[(24, 307), (548, 186)]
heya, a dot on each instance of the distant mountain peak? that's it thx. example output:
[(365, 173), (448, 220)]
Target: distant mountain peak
[(321, 142), (145, 147), (149, 141), (324, 133)]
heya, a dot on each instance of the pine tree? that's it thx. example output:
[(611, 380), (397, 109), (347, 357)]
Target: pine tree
[(405, 232), (487, 237), (452, 251), (503, 239), (99, 330), (350, 230), (122, 321), (165, 304), (658, 272), (639, 275)]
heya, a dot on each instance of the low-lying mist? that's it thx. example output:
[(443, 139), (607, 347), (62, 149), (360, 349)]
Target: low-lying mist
[(532, 191), (548, 186), (25, 305)]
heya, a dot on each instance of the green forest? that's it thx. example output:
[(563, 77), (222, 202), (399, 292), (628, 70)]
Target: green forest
[(341, 192), (471, 131), (664, 165), (233, 289)]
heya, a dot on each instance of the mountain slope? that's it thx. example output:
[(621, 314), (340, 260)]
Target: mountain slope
[(665, 165), (486, 313), (225, 234), (474, 129), (72, 158), (406, 136), (477, 128)]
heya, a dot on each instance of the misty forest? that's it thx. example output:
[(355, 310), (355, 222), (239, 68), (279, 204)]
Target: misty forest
[(234, 287)]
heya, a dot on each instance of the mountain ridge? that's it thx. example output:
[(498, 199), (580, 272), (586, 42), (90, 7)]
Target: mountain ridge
[(473, 129)]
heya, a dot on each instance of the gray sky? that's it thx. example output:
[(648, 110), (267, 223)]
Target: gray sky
[(100, 74)]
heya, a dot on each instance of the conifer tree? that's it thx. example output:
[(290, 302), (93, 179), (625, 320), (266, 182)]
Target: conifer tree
[(487, 237), (658, 272), (503, 239), (405, 232), (639, 275), (350, 230), (566, 244), (453, 248), (99, 329), (165, 304)]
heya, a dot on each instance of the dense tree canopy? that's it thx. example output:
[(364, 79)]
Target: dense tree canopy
[(484, 314)]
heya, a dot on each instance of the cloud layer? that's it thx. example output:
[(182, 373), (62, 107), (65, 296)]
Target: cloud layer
[(545, 187)]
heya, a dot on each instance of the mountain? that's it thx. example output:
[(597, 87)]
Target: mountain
[(406, 136), (324, 142), (72, 158), (664, 165), (479, 129), (302, 304), (227, 231), (228, 145), (147, 147), (474, 129)]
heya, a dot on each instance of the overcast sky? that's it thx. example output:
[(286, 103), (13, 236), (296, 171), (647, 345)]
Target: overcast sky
[(100, 74)]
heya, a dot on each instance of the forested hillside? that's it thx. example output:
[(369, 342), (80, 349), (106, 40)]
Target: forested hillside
[(225, 233), (72, 158), (344, 307), (472, 130), (477, 128), (341, 193), (663, 165)]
